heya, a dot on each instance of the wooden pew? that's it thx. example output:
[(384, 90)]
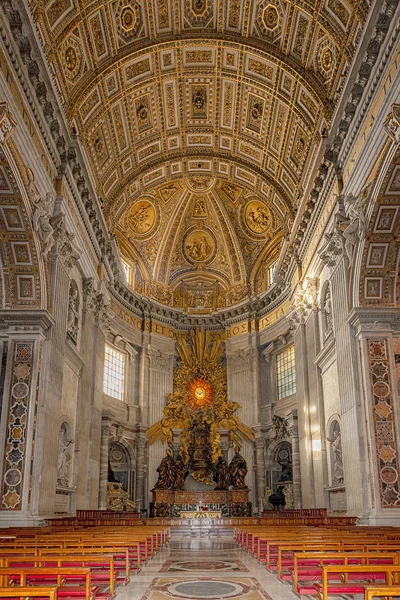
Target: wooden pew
[(381, 591), (26, 576), (102, 567), (307, 568), (48, 591), (120, 557), (366, 573)]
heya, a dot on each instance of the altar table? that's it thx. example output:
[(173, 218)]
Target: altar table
[(200, 514)]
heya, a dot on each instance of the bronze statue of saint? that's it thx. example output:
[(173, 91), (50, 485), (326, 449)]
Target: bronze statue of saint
[(222, 474), (238, 470), (166, 473), (180, 472)]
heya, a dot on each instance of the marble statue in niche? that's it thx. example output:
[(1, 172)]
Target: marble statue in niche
[(42, 213), (327, 308), (73, 312), (64, 457), (336, 454)]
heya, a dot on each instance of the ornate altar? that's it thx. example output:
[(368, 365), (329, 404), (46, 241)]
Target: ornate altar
[(117, 498), (234, 502)]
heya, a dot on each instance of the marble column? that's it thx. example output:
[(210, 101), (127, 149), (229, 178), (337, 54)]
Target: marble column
[(140, 488), (378, 335), (161, 360), (243, 374), (104, 454), (260, 443), (23, 335), (62, 259), (296, 474)]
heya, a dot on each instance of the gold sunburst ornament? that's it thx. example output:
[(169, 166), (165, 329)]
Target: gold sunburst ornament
[(199, 393), (199, 401)]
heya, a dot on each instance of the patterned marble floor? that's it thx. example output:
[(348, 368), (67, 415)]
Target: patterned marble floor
[(207, 565)]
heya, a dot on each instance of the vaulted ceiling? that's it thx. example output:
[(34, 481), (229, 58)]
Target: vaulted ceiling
[(201, 121)]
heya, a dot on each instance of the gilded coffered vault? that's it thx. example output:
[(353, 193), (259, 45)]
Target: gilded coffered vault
[(202, 122)]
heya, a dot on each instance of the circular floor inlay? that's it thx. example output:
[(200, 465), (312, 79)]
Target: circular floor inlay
[(205, 589)]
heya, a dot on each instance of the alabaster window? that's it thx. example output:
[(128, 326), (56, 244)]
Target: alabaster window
[(286, 373), (128, 271), (114, 373)]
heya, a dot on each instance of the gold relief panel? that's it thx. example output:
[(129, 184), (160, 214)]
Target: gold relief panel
[(167, 60), (340, 11), (230, 59), (154, 175), (259, 68), (245, 176), (148, 151), (21, 253), (163, 16), (128, 20), (234, 20), (25, 287), (196, 139), (142, 110), (199, 207), (98, 146), (143, 217), (57, 11), (257, 217), (269, 19), (228, 104), (111, 84), (305, 101), (254, 113), (299, 147), (225, 142), (167, 192), (171, 104), (325, 58), (199, 246), (279, 126), (98, 35), (223, 168), (174, 142), (72, 58), (90, 104), (250, 151), (198, 13), (198, 101), (110, 182), (119, 120), (198, 57), (138, 69), (231, 191)]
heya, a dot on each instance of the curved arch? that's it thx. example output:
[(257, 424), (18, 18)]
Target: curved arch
[(24, 270), (379, 256)]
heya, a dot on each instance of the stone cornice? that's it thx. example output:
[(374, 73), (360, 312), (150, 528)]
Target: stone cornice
[(375, 321), (29, 321)]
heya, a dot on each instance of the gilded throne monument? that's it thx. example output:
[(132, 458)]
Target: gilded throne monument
[(199, 479)]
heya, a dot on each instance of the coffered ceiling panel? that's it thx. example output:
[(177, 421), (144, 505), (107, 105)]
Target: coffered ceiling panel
[(178, 101)]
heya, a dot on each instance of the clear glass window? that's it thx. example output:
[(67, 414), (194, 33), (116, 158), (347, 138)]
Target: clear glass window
[(114, 373), (286, 373)]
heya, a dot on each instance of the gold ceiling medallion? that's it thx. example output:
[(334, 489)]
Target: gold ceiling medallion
[(199, 13), (257, 217), (142, 217), (73, 58), (269, 18), (199, 246), (128, 19), (199, 403)]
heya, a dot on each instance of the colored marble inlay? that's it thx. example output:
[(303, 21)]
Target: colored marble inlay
[(206, 587), (204, 566), (384, 423), (15, 444)]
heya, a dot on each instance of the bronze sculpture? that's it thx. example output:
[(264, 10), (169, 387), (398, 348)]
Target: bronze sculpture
[(222, 474), (238, 470), (166, 473)]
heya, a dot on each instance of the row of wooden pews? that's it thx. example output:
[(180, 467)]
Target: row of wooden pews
[(327, 561), (75, 563)]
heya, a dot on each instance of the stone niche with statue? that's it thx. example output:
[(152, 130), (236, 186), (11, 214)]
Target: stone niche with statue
[(198, 478)]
